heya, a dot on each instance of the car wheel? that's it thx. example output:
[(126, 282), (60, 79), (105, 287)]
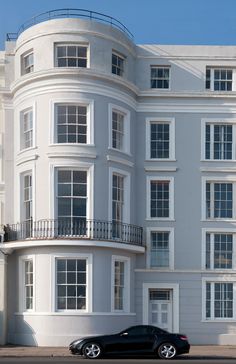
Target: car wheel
[(167, 351), (92, 350)]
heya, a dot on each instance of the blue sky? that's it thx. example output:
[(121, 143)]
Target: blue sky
[(151, 21)]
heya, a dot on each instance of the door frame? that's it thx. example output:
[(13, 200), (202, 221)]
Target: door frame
[(175, 301)]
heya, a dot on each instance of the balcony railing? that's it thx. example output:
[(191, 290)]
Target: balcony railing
[(70, 13), (80, 229)]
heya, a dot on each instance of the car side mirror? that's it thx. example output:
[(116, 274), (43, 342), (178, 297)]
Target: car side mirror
[(124, 334)]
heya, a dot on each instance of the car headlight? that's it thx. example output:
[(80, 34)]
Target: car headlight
[(76, 342)]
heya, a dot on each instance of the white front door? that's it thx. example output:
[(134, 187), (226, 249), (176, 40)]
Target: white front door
[(160, 309)]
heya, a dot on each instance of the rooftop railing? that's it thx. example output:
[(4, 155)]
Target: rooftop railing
[(70, 13), (78, 229)]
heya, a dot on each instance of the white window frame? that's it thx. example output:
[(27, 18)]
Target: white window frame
[(215, 121), (89, 168), (126, 302), (149, 231), (212, 78), (223, 179), (122, 57), (30, 68), (223, 279), (126, 137), (75, 44), (127, 193), (19, 131), (163, 67), (72, 101), (22, 302), (217, 231), (89, 280), (149, 179), (171, 122)]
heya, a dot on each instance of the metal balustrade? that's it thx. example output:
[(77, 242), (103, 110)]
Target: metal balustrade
[(70, 13), (79, 229)]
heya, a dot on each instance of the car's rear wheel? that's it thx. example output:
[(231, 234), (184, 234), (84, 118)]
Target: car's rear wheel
[(92, 350), (167, 351)]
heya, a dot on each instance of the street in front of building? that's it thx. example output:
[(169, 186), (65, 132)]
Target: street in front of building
[(185, 360)]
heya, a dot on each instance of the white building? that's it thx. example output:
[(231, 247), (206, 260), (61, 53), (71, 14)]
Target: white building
[(117, 184)]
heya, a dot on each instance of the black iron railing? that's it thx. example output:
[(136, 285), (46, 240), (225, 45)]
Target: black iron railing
[(80, 229), (70, 13)]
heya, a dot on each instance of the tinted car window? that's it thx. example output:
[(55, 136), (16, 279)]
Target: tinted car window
[(139, 330), (156, 330)]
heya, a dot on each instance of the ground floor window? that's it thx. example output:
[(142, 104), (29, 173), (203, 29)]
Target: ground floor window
[(219, 300), (28, 284), (120, 283), (71, 284)]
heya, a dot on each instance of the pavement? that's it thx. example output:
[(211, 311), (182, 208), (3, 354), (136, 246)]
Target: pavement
[(196, 352)]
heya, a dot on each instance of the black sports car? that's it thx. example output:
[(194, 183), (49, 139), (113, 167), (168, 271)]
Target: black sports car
[(136, 340)]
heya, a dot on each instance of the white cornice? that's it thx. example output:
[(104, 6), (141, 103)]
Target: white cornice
[(71, 154), (10, 246), (27, 158), (218, 169), (123, 161), (74, 76), (160, 169)]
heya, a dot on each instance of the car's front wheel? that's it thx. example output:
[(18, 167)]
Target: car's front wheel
[(92, 350), (167, 351)]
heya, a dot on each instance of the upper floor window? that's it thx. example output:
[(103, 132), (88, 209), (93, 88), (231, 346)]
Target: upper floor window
[(219, 250), (160, 249), (160, 138), (119, 129), (117, 204), (27, 63), (160, 77), (219, 200), (71, 55), (218, 141), (117, 64), (219, 79), (71, 284), (26, 129), (160, 200), (71, 123), (72, 201)]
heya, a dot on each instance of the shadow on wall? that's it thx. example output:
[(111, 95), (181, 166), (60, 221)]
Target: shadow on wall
[(22, 333)]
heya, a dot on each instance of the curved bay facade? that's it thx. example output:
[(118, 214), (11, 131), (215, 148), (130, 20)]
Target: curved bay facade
[(117, 185)]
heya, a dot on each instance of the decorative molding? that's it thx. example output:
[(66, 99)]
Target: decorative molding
[(218, 170), (64, 154), (160, 169), (26, 159), (125, 162), (10, 246)]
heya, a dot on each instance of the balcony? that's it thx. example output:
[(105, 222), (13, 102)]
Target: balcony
[(70, 13), (80, 229)]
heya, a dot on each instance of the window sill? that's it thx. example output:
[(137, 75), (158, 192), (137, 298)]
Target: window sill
[(121, 151), (87, 145), (160, 160), (25, 150), (159, 219), (218, 160), (217, 321), (233, 220)]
